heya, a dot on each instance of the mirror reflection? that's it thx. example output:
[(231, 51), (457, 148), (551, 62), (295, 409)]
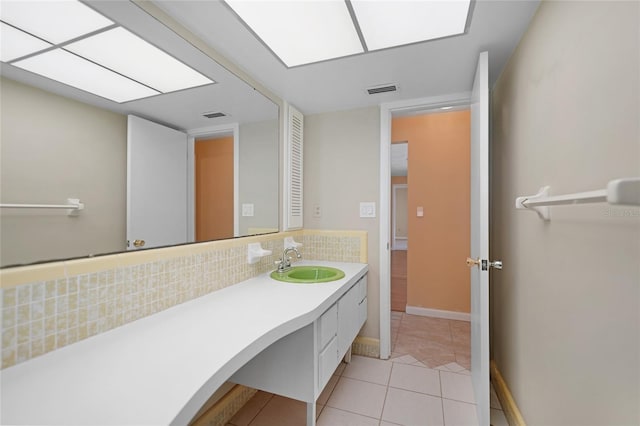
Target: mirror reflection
[(190, 165)]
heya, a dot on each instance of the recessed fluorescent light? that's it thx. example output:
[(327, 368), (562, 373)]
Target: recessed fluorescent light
[(394, 23), (15, 44), (129, 55), (74, 71), (54, 21), (301, 32)]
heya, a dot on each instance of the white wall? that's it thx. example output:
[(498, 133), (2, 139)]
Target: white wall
[(341, 169), (259, 158), (53, 148), (566, 306)]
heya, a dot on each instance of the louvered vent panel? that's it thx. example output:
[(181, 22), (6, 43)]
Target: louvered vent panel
[(382, 89), (295, 149), (214, 114)]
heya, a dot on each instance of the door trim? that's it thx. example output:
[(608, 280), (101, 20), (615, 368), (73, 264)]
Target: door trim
[(387, 110), (203, 132)]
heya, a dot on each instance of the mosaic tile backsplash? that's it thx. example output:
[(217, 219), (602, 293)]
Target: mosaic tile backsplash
[(39, 317)]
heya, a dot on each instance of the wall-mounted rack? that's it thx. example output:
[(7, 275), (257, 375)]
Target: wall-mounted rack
[(73, 205), (619, 192)]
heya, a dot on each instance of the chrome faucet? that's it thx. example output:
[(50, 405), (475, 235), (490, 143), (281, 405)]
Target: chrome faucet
[(285, 262)]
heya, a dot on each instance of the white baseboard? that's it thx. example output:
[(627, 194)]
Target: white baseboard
[(437, 313)]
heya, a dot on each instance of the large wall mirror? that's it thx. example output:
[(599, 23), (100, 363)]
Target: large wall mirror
[(216, 173)]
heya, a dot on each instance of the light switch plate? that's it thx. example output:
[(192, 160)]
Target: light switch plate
[(247, 210), (368, 209), (420, 211)]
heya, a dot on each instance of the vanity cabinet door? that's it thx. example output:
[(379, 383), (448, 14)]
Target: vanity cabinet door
[(328, 326), (362, 312), (348, 318), (327, 362)]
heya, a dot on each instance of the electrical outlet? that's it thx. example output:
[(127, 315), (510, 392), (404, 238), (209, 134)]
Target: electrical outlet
[(367, 209), (317, 210), (247, 210)]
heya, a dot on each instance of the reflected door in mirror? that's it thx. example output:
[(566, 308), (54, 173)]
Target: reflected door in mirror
[(156, 184)]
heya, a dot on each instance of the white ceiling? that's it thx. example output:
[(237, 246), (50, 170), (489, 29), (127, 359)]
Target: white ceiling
[(182, 109), (432, 68)]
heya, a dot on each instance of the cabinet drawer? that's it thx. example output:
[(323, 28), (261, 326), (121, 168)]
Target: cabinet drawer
[(362, 312), (327, 326), (362, 288), (327, 362)]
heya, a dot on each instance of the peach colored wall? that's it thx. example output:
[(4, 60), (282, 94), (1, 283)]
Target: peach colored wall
[(438, 178), (214, 188)]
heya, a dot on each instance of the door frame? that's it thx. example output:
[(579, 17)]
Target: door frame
[(387, 110), (394, 216), (205, 132)]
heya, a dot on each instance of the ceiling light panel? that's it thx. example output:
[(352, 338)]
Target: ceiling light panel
[(74, 71), (301, 32), (394, 23), (15, 44), (54, 21), (126, 53)]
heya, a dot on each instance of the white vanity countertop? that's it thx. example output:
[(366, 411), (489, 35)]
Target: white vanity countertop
[(161, 369)]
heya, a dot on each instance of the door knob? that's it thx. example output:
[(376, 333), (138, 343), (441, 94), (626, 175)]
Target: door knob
[(138, 243), (472, 262), (496, 264)]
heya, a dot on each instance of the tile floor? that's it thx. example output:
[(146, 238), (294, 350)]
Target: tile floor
[(426, 382)]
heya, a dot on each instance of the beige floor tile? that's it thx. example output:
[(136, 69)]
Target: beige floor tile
[(464, 361), (462, 326), (251, 409), (334, 417), (358, 397), (494, 401), (414, 378), (498, 418), (462, 347), (368, 369), (281, 411), (453, 366), (411, 408), (405, 359), (433, 360), (458, 413), (426, 323), (457, 387)]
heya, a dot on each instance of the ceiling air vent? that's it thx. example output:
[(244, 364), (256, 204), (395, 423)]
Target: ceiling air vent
[(382, 89), (214, 114)]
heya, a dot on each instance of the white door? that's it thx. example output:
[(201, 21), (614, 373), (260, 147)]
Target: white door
[(479, 261), (156, 185)]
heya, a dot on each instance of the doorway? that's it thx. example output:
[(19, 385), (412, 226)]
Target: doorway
[(214, 188), (229, 134), (387, 112), (477, 101), (399, 228)]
